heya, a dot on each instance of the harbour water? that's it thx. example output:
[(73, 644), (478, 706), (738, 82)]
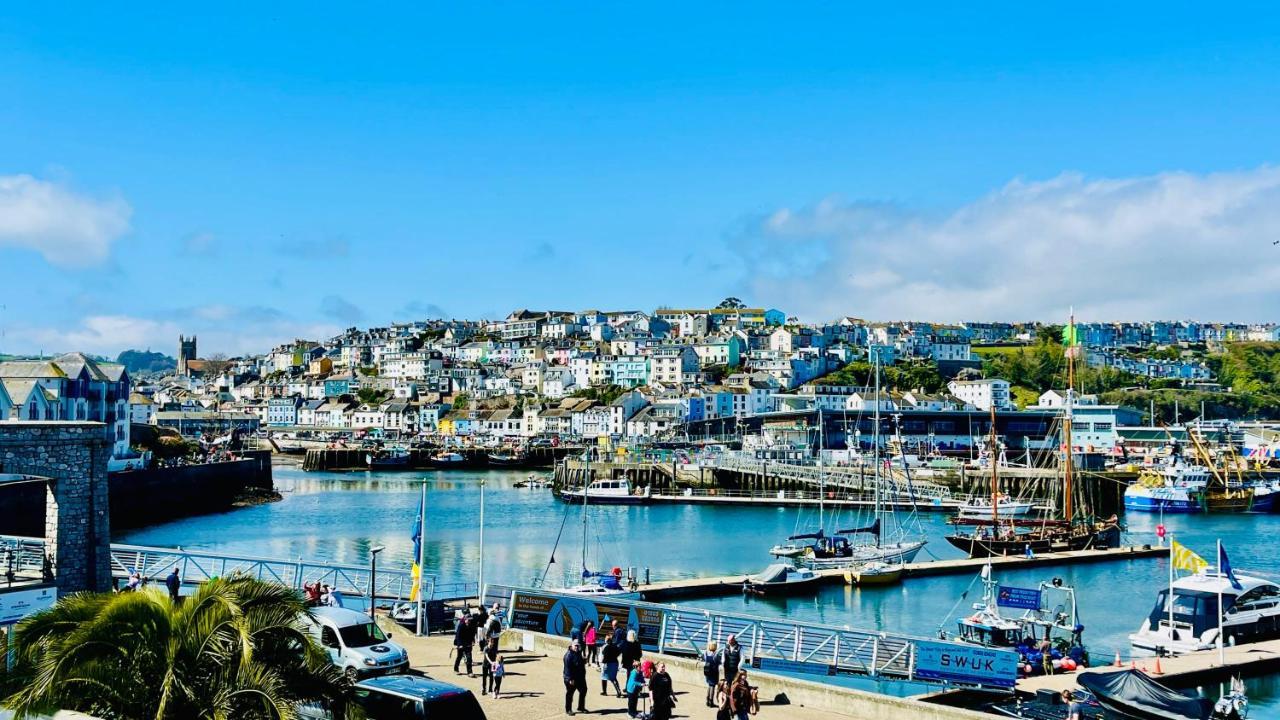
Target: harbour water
[(338, 516)]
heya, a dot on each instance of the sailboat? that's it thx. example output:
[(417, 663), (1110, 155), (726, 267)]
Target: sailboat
[(795, 546), (838, 551), (998, 536), (594, 584)]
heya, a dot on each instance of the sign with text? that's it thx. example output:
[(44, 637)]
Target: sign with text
[(955, 663), (793, 666), (16, 605), (561, 614), (1018, 598)]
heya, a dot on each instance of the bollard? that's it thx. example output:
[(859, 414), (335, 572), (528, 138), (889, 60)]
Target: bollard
[(646, 576)]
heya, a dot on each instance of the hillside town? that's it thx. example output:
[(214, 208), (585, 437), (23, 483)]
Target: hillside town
[(628, 376)]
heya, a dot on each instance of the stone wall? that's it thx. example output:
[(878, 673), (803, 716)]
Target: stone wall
[(77, 516)]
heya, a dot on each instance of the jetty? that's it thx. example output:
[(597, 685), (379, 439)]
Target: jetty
[(356, 458), (1188, 669), (712, 586)]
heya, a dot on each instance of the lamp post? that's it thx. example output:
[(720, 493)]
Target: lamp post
[(373, 576)]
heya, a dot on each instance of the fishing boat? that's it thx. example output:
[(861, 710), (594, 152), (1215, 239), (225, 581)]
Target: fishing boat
[(780, 579), (1133, 694), (1177, 487), (387, 458), (608, 492), (873, 573), (1228, 491), (997, 536), (1001, 506), (506, 458), (447, 460)]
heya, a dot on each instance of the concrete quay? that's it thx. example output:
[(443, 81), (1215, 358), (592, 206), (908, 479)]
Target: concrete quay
[(1189, 669), (533, 689), (704, 587)]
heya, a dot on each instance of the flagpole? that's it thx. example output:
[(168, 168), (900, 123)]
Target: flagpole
[(422, 552), (480, 574), (1173, 544), (1222, 642)]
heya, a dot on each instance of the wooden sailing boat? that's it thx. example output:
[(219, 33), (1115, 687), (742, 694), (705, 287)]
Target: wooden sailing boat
[(996, 536)]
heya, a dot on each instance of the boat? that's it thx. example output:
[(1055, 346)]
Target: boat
[(533, 482), (1173, 488), (1132, 694), (387, 458), (506, 458), (608, 492), (874, 573), (997, 536), (1002, 506), (594, 584), (838, 551), (447, 460), (1047, 635), (780, 579), (1228, 491), (1250, 614)]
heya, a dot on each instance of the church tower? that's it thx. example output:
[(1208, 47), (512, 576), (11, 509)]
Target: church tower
[(186, 352)]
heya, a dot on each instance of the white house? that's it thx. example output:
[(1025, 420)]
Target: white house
[(982, 394), (669, 364)]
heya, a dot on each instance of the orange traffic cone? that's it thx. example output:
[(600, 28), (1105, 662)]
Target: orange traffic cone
[(1158, 670), (1118, 663), (1133, 664)]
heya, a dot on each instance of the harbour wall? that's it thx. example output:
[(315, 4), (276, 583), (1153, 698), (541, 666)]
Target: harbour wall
[(420, 458), (147, 497)]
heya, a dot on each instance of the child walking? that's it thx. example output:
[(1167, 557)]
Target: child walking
[(499, 671)]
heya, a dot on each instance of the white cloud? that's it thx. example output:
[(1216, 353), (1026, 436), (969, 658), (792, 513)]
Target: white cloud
[(220, 328), (68, 229), (1174, 245)]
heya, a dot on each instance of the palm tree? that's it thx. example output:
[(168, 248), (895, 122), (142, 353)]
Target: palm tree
[(234, 649)]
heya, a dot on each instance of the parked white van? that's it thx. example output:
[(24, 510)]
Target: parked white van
[(355, 643)]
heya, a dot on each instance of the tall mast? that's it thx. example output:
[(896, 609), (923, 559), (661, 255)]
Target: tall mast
[(1066, 421), (995, 477), (586, 485), (822, 491), (875, 436)]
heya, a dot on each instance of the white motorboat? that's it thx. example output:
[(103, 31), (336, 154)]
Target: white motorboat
[(1004, 506), (1250, 614), (608, 492), (780, 579)]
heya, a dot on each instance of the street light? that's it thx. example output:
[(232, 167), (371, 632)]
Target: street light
[(373, 576)]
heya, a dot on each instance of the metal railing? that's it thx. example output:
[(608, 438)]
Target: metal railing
[(837, 478), (832, 496), (768, 644), (21, 558), (195, 566)]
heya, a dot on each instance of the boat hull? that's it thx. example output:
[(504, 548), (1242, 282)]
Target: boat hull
[(576, 497), (1155, 503), (865, 579), (977, 546), (894, 554), (782, 588)]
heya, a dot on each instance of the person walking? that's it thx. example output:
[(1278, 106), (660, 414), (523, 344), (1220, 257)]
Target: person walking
[(464, 636), (635, 685), (488, 656), (619, 635), (630, 651), (499, 672), (609, 669), (589, 638), (663, 692), (741, 697), (174, 584), (711, 671), (731, 658), (575, 678)]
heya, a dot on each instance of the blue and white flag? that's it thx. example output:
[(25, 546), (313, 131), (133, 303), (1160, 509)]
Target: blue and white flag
[(1224, 568)]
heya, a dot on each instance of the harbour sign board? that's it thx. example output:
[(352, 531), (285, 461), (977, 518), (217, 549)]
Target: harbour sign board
[(560, 615), (1018, 598), (949, 662), (16, 605)]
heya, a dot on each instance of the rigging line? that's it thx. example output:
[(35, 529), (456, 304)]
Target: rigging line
[(542, 581), (963, 596)]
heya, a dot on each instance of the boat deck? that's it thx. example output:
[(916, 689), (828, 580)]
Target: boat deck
[(704, 587)]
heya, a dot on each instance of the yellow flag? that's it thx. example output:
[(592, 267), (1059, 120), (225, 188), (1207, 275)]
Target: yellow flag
[(416, 573), (1185, 559)]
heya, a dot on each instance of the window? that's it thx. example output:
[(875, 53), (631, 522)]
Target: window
[(362, 635), (328, 638), (1102, 427)]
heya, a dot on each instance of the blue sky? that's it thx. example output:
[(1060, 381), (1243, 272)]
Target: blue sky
[(252, 175)]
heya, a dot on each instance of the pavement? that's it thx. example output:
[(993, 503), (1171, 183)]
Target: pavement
[(533, 689)]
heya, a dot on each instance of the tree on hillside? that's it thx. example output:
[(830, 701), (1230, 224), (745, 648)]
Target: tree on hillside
[(234, 649), (731, 303), (216, 365)]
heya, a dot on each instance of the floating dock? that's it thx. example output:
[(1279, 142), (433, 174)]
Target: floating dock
[(1189, 669), (706, 587)]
